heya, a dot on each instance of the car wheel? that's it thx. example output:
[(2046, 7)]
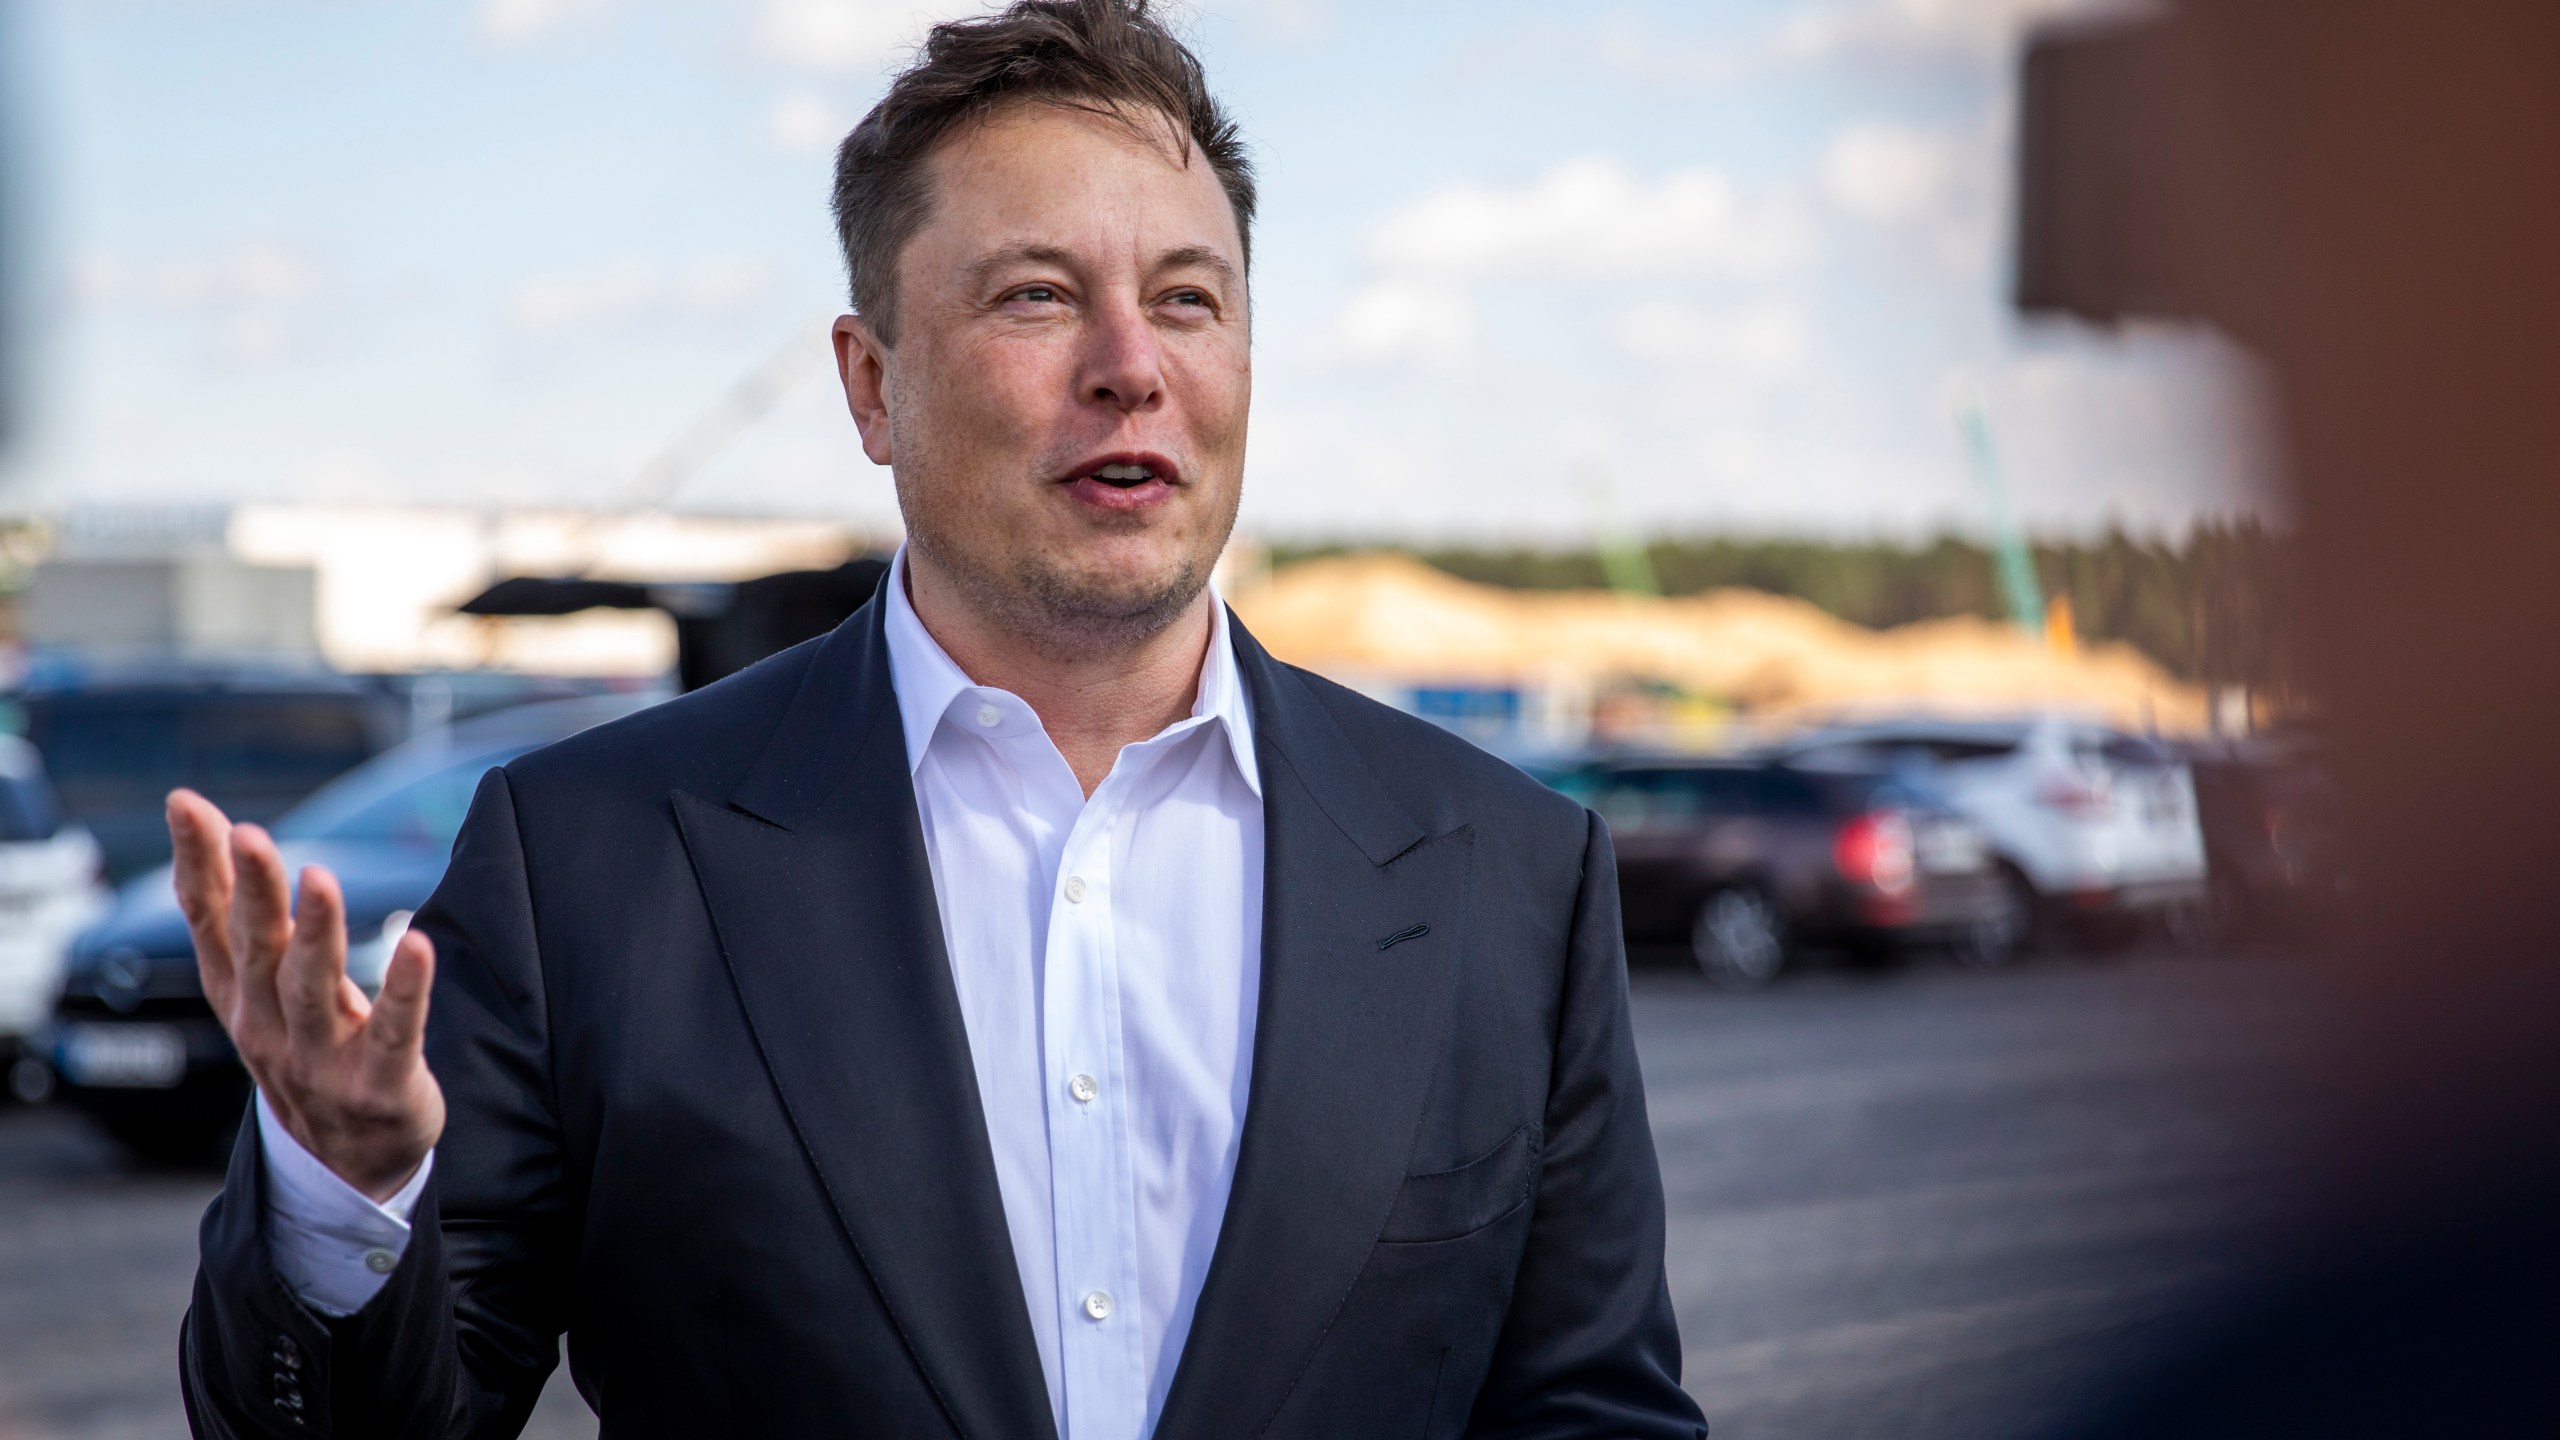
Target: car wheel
[(1739, 940), (2000, 932)]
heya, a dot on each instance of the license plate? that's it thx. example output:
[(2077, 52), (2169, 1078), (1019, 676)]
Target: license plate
[(147, 1057), (1950, 850)]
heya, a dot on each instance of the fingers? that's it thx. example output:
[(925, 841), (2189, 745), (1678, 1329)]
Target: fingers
[(200, 866), (397, 1028), (259, 927), (311, 978)]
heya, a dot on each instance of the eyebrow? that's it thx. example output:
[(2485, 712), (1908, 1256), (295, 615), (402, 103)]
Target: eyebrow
[(1035, 254), (1200, 255)]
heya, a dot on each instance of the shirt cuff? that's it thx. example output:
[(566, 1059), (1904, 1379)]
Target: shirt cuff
[(334, 1246)]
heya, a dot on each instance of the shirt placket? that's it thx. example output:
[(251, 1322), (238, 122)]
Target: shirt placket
[(1092, 1175)]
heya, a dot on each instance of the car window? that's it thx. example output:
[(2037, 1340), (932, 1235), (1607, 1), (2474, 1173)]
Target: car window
[(282, 745), (1840, 755), (2127, 752), (1783, 792), (1962, 752), (1639, 799), (397, 799), (26, 807), (109, 751)]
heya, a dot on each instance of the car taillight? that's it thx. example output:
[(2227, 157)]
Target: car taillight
[(2079, 799), (1875, 850)]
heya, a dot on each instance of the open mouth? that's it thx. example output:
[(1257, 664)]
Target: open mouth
[(1124, 482)]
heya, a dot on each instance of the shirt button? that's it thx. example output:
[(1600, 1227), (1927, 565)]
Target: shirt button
[(1083, 1088), (989, 716), (1097, 1304), (380, 1262), (1075, 889)]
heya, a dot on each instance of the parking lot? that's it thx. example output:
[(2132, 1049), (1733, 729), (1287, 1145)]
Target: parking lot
[(1916, 1202)]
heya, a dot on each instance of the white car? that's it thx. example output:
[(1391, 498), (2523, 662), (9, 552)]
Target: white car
[(51, 888), (2090, 819)]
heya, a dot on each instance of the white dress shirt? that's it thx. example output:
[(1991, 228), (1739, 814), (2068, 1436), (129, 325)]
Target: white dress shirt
[(1107, 952)]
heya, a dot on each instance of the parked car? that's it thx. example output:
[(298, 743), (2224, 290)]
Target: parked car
[(1746, 862), (2273, 843), (2085, 821), (132, 1038), (254, 739), (50, 889)]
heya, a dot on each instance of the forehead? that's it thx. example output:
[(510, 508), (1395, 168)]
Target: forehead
[(1098, 186)]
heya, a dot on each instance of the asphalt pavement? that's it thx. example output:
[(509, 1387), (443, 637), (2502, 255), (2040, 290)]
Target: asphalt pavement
[(1911, 1202)]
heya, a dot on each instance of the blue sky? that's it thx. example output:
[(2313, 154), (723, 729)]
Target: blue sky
[(1523, 271)]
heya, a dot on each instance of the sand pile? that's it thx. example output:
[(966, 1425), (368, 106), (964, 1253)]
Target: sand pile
[(1387, 616)]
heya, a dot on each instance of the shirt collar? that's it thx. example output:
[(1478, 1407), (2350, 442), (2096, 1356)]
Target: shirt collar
[(928, 683)]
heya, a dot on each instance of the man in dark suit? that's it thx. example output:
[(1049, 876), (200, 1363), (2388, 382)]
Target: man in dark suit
[(1028, 1010)]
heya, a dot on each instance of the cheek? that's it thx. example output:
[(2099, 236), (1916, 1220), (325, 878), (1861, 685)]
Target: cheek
[(1217, 379), (986, 402)]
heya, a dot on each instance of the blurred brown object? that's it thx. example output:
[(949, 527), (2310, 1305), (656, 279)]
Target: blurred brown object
[(2368, 193)]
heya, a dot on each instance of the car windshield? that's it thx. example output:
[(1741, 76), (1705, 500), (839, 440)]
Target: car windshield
[(26, 807), (1899, 789), (406, 797), (1670, 796)]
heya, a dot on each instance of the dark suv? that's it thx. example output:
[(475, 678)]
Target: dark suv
[(1747, 862), (253, 740), (136, 1045)]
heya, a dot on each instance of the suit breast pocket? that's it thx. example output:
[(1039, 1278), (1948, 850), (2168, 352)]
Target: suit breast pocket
[(1450, 1204)]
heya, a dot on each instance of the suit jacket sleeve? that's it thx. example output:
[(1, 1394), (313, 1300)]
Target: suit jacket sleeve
[(462, 1337), (1590, 1348)]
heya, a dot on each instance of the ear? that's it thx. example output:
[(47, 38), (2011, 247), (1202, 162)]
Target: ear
[(862, 363)]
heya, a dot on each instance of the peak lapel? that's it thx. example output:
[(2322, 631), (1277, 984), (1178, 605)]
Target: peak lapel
[(822, 898), (1344, 1049)]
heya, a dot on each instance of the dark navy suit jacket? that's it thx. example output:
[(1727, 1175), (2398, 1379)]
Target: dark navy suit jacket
[(713, 1113)]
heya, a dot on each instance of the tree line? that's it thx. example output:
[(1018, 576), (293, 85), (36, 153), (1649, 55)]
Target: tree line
[(2211, 606)]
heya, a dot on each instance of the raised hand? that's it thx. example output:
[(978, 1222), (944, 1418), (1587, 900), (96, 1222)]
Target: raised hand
[(347, 1076)]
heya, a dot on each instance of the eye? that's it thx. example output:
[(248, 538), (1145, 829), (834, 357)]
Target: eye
[(1036, 295), (1192, 298)]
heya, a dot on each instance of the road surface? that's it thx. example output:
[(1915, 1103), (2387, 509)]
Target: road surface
[(1912, 1202)]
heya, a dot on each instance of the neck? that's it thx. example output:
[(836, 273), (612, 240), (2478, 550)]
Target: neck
[(1092, 699)]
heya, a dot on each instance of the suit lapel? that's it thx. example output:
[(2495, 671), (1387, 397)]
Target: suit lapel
[(819, 888), (1344, 1049)]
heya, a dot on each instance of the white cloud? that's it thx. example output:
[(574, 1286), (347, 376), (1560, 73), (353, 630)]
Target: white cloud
[(518, 22), (1908, 28), (848, 35), (1429, 322), (1592, 219), (629, 289), (252, 275), (1888, 174), (1585, 220), (1278, 22), (245, 296), (1767, 341), (802, 121)]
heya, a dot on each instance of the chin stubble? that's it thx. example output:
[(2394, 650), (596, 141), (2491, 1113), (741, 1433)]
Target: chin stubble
[(1064, 613)]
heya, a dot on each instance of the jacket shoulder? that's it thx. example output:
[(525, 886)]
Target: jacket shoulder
[(1444, 780), (704, 741)]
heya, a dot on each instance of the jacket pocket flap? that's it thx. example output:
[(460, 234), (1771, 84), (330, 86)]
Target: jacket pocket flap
[(1449, 1203)]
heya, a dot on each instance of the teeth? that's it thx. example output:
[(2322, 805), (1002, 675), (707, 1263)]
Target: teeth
[(1124, 472)]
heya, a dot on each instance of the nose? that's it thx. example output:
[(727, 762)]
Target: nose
[(1123, 366)]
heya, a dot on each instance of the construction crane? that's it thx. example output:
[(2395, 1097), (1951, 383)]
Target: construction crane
[(2018, 587)]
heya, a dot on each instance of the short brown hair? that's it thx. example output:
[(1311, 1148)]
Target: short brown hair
[(1112, 57)]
